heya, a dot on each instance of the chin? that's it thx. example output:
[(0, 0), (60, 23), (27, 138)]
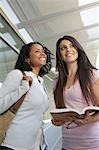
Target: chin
[(70, 61), (42, 64)]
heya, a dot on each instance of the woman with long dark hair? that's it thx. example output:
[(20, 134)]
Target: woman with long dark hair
[(77, 86), (26, 129)]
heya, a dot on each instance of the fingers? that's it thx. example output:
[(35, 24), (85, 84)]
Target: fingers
[(86, 120), (79, 122), (57, 123), (28, 78)]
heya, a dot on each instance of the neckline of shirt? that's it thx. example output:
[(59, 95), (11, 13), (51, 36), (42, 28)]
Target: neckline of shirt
[(40, 79)]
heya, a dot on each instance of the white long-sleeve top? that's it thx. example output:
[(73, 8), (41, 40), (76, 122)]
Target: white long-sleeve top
[(26, 126)]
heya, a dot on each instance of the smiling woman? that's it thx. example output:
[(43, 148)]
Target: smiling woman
[(26, 129), (68, 51), (37, 57), (77, 87)]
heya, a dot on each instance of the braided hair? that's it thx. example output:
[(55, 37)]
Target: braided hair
[(22, 64)]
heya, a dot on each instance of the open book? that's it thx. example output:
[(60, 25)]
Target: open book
[(67, 113)]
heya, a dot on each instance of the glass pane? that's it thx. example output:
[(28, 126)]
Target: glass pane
[(9, 34), (8, 58)]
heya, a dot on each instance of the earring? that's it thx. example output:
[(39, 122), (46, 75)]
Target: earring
[(27, 61), (59, 63)]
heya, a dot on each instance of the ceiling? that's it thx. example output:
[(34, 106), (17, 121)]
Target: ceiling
[(48, 20)]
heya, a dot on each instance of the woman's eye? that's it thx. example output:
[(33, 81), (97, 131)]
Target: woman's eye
[(71, 45), (37, 51), (62, 48)]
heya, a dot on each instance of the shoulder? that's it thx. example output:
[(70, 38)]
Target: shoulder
[(12, 80), (95, 86), (15, 72), (96, 72), (95, 75), (14, 75), (54, 83)]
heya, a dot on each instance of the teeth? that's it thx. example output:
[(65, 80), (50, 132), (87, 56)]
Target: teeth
[(69, 55), (42, 58)]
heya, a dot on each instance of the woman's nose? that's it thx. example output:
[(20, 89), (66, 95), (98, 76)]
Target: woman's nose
[(68, 49), (43, 53)]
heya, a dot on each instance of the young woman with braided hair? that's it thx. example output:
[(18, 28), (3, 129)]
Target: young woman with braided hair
[(25, 131)]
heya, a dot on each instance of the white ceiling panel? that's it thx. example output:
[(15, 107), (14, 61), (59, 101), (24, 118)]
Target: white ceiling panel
[(52, 6), (48, 20)]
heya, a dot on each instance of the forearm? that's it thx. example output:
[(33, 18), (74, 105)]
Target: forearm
[(88, 120), (95, 117)]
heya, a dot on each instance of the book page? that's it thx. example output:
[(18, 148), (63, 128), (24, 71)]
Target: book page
[(65, 114), (70, 113), (63, 110), (91, 109)]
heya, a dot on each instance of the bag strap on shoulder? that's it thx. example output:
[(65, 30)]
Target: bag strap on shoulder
[(17, 105)]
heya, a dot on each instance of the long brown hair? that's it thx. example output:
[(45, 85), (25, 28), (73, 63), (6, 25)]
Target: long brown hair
[(84, 73)]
